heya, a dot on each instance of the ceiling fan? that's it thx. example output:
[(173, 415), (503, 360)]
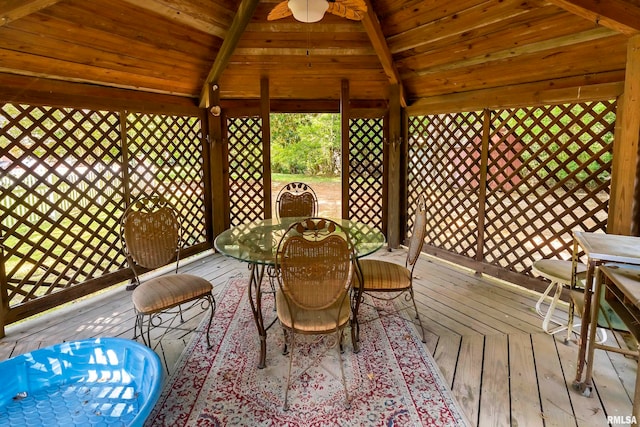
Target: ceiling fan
[(314, 10)]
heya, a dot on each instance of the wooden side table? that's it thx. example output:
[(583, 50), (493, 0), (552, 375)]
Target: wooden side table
[(622, 292), (599, 248)]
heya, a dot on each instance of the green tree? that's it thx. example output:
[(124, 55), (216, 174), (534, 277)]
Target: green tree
[(305, 144)]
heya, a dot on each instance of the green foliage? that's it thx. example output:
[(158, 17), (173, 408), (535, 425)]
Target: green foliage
[(309, 179), (564, 141), (306, 144)]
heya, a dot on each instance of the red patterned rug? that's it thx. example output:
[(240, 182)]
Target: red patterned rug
[(392, 381)]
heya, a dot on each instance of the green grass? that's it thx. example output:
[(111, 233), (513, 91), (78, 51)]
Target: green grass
[(284, 177)]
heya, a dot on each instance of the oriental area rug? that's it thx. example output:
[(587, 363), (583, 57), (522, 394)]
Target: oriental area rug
[(392, 381)]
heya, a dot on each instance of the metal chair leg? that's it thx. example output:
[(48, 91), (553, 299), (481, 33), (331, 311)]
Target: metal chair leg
[(286, 393), (344, 380), (415, 307), (212, 309)]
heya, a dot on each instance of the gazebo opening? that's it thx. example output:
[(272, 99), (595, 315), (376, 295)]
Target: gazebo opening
[(306, 147)]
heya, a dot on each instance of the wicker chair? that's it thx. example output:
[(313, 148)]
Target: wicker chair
[(387, 280), (296, 199), (150, 231), (316, 262)]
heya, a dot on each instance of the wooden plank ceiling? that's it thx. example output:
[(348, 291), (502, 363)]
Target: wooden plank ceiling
[(433, 48)]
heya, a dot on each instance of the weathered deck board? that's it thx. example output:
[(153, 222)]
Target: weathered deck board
[(446, 356), (483, 333), (525, 404), (612, 393), (494, 397), (468, 377), (554, 393), (587, 412)]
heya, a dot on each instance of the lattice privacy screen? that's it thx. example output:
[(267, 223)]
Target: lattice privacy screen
[(444, 164), (63, 190), (549, 174), (165, 158), (246, 169), (366, 171), (548, 171)]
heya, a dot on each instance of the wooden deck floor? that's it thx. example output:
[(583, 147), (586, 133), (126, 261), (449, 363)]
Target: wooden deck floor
[(484, 334)]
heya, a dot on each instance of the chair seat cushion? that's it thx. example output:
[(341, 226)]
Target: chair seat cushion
[(313, 321), (383, 276), (168, 291), (558, 270)]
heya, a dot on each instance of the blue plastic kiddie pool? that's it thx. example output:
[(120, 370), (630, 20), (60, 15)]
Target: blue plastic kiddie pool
[(94, 382)]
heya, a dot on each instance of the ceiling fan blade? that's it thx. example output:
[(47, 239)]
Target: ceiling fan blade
[(350, 9), (281, 10), (360, 5)]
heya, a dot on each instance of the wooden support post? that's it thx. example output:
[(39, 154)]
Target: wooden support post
[(4, 292), (484, 171), (205, 140), (219, 169), (404, 175), (345, 115), (392, 174), (265, 110), (124, 145), (624, 194)]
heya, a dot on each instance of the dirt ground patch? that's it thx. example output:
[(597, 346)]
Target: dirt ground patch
[(329, 196)]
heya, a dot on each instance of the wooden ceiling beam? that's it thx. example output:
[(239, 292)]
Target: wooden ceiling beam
[(184, 12), (10, 10), (238, 25), (482, 15), (532, 48), (373, 28), (520, 95), (303, 51), (619, 15), (302, 27)]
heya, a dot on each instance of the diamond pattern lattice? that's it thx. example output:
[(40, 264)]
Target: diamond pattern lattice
[(63, 191), (444, 164), (549, 170), (246, 181), (165, 158), (61, 197), (366, 170), (548, 174)]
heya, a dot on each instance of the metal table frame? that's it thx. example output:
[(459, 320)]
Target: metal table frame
[(622, 283), (599, 248), (256, 244)]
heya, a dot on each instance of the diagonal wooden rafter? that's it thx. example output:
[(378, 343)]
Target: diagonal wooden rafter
[(619, 15), (373, 28), (182, 13), (10, 10), (238, 25)]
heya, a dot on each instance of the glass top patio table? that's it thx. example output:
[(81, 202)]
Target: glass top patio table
[(257, 242)]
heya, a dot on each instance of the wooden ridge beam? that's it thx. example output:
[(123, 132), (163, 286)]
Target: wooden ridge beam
[(619, 15)]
